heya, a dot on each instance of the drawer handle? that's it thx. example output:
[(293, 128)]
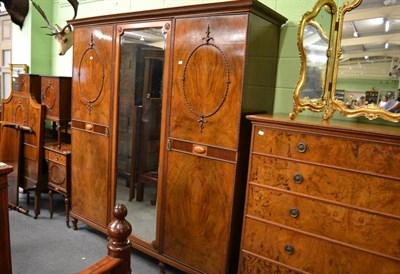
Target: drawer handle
[(298, 178), (199, 149), (294, 212), (289, 249), (301, 147)]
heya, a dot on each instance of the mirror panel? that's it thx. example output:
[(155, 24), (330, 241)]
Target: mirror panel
[(141, 53), (315, 40), (366, 72)]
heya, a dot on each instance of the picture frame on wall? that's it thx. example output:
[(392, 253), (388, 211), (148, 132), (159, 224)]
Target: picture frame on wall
[(16, 70)]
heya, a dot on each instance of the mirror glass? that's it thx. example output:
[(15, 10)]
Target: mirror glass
[(139, 120), (315, 44), (368, 69), (315, 40)]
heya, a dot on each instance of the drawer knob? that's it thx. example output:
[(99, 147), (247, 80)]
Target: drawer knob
[(289, 249), (199, 149), (298, 178), (89, 127), (301, 147), (294, 212)]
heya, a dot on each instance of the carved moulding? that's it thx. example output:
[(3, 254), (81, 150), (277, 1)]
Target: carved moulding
[(89, 55), (202, 116)]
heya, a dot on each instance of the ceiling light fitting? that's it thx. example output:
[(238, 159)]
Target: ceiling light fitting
[(387, 25)]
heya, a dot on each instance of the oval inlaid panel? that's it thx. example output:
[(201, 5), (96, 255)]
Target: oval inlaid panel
[(91, 74), (206, 97), (49, 97), (56, 175)]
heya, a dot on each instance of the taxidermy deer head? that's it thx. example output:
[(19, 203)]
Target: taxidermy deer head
[(63, 35), (17, 9)]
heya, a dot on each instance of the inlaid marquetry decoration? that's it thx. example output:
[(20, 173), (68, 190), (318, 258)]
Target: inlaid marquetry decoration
[(20, 113), (201, 97), (91, 74), (57, 175), (49, 97)]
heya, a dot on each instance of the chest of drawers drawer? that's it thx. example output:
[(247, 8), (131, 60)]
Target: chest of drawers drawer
[(349, 188), (310, 254), (361, 229), (320, 148)]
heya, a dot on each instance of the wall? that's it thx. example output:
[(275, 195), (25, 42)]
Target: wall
[(31, 45), (45, 60)]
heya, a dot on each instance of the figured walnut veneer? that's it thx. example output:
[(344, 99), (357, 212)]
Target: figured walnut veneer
[(321, 198), (219, 64)]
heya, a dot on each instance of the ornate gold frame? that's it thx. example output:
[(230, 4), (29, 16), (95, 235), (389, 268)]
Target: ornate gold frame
[(370, 113), (316, 105)]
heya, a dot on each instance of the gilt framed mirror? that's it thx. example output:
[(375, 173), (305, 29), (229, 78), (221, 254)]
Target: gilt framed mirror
[(365, 79), (141, 51), (315, 40)]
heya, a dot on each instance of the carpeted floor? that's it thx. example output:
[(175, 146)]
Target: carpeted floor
[(48, 246)]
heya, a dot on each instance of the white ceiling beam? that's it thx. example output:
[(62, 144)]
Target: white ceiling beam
[(392, 12), (393, 38), (395, 53)]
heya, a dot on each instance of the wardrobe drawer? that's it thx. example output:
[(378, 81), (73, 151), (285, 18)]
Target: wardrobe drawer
[(327, 150), (369, 231), (356, 189), (309, 253)]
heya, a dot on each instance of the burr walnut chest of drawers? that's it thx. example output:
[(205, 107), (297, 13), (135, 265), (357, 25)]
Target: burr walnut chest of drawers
[(322, 198)]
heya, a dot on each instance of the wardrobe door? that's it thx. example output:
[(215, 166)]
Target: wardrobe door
[(203, 137), (91, 125)]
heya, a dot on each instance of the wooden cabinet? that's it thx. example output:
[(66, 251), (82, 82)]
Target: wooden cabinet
[(56, 96), (59, 174), (179, 82), (321, 198), (30, 83)]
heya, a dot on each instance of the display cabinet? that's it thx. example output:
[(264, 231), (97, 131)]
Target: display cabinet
[(161, 95)]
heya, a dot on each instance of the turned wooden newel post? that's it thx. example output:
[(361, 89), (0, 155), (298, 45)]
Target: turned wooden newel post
[(119, 245)]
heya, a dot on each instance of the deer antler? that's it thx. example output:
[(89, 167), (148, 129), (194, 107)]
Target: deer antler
[(48, 25), (56, 29), (65, 35)]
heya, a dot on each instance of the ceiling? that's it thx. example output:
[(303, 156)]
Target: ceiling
[(368, 49)]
